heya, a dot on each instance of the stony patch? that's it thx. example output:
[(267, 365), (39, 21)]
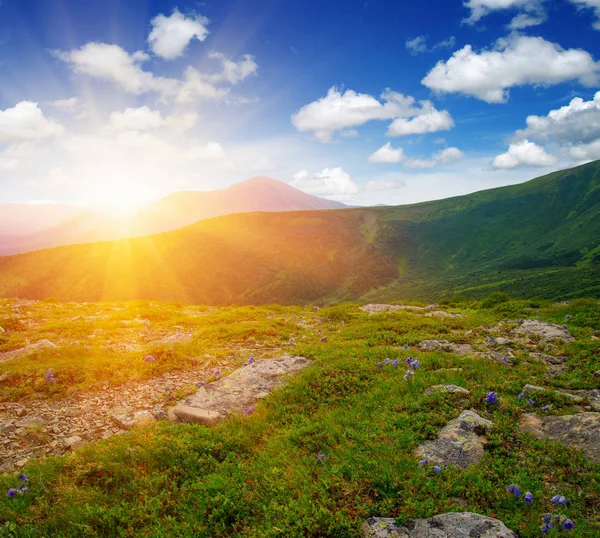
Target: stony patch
[(581, 430), (457, 443), (452, 525), (444, 345), (15, 353), (454, 389), (543, 329)]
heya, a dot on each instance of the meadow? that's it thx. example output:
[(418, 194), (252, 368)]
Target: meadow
[(332, 447)]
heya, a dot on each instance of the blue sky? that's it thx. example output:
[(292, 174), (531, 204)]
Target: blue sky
[(362, 101)]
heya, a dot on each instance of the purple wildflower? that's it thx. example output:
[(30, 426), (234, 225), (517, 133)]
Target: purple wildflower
[(567, 317), (568, 524), (250, 410), (408, 360), (506, 358), (490, 340), (395, 363), (320, 457), (423, 462), (437, 469), (11, 493), (324, 339), (530, 401), (149, 358), (528, 498), (521, 396), (491, 398), (409, 374), (216, 374), (545, 408), (546, 528), (415, 364), (386, 361), (379, 365), (405, 347), (23, 478), (250, 361), (555, 499), (562, 499), (515, 490)]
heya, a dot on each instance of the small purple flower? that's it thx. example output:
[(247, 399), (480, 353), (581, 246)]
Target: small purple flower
[(320, 457), (250, 410), (23, 478), (506, 358), (515, 490), (324, 339), (395, 363), (11, 493), (405, 347), (250, 361), (379, 365), (415, 364), (490, 340), (567, 317), (528, 498), (555, 499), (562, 499), (530, 401), (491, 398), (423, 462), (437, 469), (408, 360), (545, 408), (568, 524), (546, 528), (409, 374), (149, 358), (386, 361), (521, 396), (216, 374)]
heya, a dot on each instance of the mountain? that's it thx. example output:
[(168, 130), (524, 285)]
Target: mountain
[(22, 219), (169, 213), (540, 238)]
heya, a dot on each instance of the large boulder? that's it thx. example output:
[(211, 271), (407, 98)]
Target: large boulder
[(239, 391), (452, 525), (458, 443), (37, 346), (581, 430), (547, 331)]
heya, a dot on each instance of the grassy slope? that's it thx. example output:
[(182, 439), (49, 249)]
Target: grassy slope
[(540, 238), (258, 476)]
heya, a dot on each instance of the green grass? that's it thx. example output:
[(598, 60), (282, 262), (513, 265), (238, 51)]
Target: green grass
[(258, 476)]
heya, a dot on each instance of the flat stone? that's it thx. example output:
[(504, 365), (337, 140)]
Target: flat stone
[(451, 525), (445, 388), (500, 358), (457, 443), (15, 353), (442, 314), (196, 415), (72, 441), (528, 389), (378, 308), (444, 345), (130, 420), (581, 430), (547, 331), (30, 421), (504, 341), (241, 389)]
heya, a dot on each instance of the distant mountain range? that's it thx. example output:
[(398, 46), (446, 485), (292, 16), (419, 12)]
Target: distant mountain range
[(169, 213), (536, 239)]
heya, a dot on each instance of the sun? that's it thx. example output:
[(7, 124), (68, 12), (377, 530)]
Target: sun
[(120, 197)]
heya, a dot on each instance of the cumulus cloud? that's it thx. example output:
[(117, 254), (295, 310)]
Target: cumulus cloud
[(26, 121), (577, 122), (385, 184), (418, 45), (330, 182), (171, 35), (532, 11), (585, 152), (66, 105), (146, 119), (590, 4), (429, 120), (339, 110), (113, 64), (448, 155), (387, 154), (524, 153), (516, 60)]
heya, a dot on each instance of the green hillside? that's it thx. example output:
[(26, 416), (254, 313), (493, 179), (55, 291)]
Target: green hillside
[(540, 238)]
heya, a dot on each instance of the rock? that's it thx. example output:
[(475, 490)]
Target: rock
[(451, 525), (457, 443), (593, 395), (547, 331), (7, 428), (597, 374), (240, 390), (15, 353), (581, 430), (555, 364), (196, 415), (444, 345), (446, 388), (504, 341), (528, 389), (129, 420), (378, 308), (442, 314), (177, 338), (2, 329), (71, 442), (500, 358), (30, 421)]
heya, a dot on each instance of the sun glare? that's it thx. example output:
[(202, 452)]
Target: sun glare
[(120, 197)]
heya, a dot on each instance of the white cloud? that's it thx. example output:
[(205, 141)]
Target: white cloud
[(385, 185), (524, 153), (209, 151), (349, 133), (66, 105), (330, 182), (577, 122), (448, 155), (113, 64), (590, 4), (234, 72), (26, 121), (532, 11), (514, 61), (138, 119), (15, 155), (339, 110), (429, 120), (418, 45), (585, 152), (171, 35), (387, 154)]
